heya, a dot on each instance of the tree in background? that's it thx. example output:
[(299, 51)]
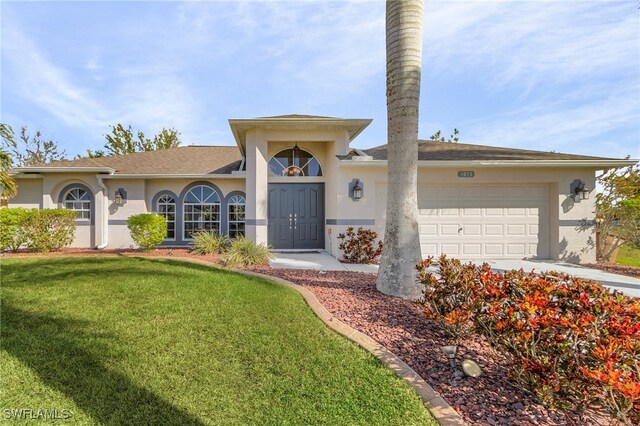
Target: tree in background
[(122, 140), (397, 275), (30, 151), (437, 136), (618, 210), (8, 187)]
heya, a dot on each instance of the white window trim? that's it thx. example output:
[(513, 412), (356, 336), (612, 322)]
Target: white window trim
[(175, 214), (235, 203), (64, 203), (184, 204)]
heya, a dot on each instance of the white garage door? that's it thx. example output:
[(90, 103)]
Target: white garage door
[(484, 221)]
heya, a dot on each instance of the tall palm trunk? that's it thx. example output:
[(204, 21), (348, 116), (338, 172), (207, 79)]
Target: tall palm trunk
[(397, 275)]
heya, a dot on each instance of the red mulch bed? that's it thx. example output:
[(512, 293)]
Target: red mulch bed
[(631, 271), (402, 327)]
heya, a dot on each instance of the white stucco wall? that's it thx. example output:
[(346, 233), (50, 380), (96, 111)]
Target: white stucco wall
[(570, 239), (262, 144), (29, 194)]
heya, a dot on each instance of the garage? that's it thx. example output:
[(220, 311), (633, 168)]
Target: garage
[(488, 221)]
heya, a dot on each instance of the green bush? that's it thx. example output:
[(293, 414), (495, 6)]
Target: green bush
[(210, 242), (13, 227), (148, 230), (245, 252), (50, 229)]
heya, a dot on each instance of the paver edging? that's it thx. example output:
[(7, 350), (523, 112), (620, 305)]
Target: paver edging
[(436, 404)]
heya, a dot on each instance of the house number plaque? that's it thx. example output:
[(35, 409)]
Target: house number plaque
[(466, 174)]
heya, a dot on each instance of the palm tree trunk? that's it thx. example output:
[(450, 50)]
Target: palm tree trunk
[(397, 275)]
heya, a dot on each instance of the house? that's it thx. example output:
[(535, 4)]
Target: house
[(295, 183)]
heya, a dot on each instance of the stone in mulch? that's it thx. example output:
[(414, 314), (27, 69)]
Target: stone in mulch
[(630, 271), (402, 327)]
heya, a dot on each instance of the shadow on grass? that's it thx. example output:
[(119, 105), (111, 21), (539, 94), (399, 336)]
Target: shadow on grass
[(54, 269), (49, 346)]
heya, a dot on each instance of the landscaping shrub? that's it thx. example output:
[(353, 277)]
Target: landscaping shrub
[(148, 230), (50, 229), (569, 340), (360, 246), (245, 252), (13, 227), (210, 242), (450, 298)]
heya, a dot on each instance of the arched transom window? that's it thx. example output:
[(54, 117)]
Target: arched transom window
[(79, 200), (235, 209), (201, 210), (294, 162), (166, 206)]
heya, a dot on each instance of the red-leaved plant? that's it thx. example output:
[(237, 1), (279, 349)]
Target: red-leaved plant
[(570, 340), (360, 246)]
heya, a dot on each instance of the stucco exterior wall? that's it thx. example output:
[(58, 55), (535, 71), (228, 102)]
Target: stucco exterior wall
[(140, 196), (571, 229), (29, 194), (53, 186), (262, 144), (568, 219)]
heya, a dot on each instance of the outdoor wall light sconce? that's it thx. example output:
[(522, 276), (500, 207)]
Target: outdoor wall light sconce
[(356, 189), (120, 197), (579, 190)]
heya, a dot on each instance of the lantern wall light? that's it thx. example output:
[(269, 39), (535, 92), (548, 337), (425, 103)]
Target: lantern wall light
[(356, 189), (120, 197), (579, 190)]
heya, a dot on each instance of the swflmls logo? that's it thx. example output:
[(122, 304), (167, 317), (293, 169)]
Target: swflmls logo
[(36, 414)]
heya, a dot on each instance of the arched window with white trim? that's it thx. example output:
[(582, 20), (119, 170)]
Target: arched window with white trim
[(201, 206), (235, 215), (294, 162), (78, 199), (166, 207)]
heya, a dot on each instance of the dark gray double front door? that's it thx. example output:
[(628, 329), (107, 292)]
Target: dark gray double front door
[(296, 215)]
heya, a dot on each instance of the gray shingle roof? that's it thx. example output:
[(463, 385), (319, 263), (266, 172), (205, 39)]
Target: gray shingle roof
[(445, 151), (189, 160), (203, 160)]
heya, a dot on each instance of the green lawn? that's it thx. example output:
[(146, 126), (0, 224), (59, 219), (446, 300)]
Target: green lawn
[(133, 341), (628, 255)]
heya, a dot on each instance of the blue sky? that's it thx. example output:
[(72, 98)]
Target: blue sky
[(555, 76)]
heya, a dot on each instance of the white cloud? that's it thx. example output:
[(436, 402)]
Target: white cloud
[(46, 85), (532, 42)]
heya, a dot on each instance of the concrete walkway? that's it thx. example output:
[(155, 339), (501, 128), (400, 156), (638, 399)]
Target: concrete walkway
[(319, 260), (323, 261)]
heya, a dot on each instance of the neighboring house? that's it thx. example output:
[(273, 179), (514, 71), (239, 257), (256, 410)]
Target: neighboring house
[(290, 183)]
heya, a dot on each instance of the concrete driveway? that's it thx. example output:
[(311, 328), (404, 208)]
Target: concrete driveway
[(321, 260), (623, 283)]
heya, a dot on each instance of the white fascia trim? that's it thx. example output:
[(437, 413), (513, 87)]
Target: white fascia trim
[(18, 170), (503, 163), (234, 175)]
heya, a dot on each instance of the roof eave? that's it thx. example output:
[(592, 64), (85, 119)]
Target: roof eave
[(504, 163), (54, 169), (239, 126), (232, 175)]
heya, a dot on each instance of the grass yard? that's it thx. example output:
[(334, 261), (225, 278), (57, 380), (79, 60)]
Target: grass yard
[(628, 255), (141, 341)]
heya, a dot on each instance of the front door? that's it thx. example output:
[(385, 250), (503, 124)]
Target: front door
[(296, 215)]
